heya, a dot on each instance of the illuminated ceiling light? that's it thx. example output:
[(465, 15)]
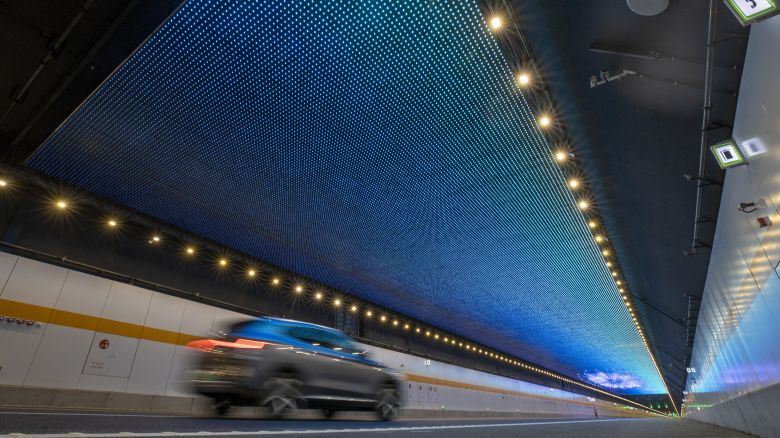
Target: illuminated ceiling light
[(61, 204), (112, 223), (446, 339), (614, 274), (605, 252), (190, 250), (599, 238), (298, 289), (545, 121), (592, 224), (583, 204), (427, 333), (223, 262), (318, 296), (561, 156), (609, 264), (436, 336), (496, 22), (618, 282), (275, 281), (155, 239), (395, 322), (383, 318), (369, 313), (573, 183), (251, 273), (417, 330), (523, 79), (406, 326), (353, 309), (3, 183)]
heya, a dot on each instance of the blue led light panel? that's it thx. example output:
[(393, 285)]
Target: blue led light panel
[(380, 147)]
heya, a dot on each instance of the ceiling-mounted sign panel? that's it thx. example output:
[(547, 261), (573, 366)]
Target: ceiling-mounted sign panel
[(750, 11), (727, 154)]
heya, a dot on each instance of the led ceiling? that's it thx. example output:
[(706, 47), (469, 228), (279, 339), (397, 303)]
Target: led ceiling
[(383, 148)]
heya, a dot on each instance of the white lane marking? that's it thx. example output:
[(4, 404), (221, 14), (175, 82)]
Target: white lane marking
[(313, 431)]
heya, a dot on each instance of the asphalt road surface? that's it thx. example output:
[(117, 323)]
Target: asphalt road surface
[(75, 424)]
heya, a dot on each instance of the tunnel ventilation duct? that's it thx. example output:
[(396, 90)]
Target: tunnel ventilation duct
[(647, 8)]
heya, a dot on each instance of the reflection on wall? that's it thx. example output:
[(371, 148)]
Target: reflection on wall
[(736, 349)]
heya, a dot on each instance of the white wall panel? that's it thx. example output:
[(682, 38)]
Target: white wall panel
[(60, 357), (7, 262), (84, 293), (165, 312), (35, 283), (151, 368), (127, 303), (17, 348)]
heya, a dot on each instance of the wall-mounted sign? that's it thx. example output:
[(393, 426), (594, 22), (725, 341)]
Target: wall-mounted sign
[(753, 146), (750, 11), (727, 153)]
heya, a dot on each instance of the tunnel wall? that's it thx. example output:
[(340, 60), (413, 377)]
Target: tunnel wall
[(736, 354), (87, 333)]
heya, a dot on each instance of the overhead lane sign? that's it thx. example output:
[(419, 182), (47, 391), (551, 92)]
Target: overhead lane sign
[(727, 154), (750, 11)]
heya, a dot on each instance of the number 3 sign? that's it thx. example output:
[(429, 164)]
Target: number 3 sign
[(750, 11)]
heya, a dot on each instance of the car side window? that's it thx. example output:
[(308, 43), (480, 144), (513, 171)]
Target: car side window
[(324, 338)]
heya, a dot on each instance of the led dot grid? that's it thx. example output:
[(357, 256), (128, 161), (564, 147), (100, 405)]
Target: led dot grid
[(383, 148)]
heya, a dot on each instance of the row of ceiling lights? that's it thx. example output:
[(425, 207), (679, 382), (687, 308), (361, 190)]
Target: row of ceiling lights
[(251, 271), (564, 158)]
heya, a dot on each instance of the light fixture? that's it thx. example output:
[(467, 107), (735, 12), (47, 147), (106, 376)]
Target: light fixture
[(583, 204), (436, 336), (275, 281), (251, 273), (496, 22), (395, 322), (190, 250), (605, 252), (561, 156), (609, 264), (112, 223), (298, 289), (3, 183), (383, 318), (573, 183), (592, 224), (614, 274), (369, 313), (353, 309), (427, 333), (61, 204), (406, 326), (223, 262), (523, 79), (545, 121), (337, 302), (599, 238), (318, 296), (155, 239), (417, 330)]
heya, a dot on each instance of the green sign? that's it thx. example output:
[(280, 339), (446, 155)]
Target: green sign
[(727, 153), (750, 11)]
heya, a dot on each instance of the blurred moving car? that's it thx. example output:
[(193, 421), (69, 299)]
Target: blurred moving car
[(285, 365)]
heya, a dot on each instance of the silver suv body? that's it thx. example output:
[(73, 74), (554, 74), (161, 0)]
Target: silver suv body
[(285, 365)]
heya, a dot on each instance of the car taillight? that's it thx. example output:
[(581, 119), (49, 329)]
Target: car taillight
[(210, 344)]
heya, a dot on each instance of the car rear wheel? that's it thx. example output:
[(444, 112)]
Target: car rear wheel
[(387, 405), (221, 407), (282, 396)]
